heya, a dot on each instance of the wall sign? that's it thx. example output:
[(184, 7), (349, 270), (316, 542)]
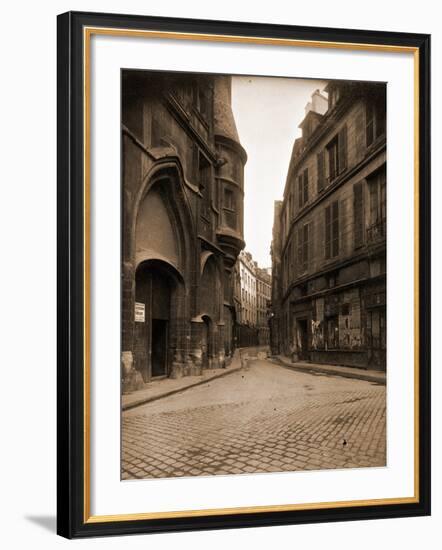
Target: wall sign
[(140, 312)]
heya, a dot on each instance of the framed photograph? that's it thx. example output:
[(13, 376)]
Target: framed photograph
[(243, 278)]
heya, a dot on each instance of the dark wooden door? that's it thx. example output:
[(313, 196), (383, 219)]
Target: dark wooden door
[(159, 347), (303, 333), (205, 346)]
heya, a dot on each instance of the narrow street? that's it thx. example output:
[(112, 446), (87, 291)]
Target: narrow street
[(264, 418)]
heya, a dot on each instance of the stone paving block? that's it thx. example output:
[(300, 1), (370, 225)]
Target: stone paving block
[(235, 426)]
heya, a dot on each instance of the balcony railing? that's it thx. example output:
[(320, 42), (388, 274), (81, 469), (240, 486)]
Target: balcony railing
[(377, 232)]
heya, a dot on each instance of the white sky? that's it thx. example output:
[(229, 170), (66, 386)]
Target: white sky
[(267, 112)]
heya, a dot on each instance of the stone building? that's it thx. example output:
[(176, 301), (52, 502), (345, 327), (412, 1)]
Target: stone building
[(251, 296), (275, 302), (182, 223), (329, 241), (263, 298), (246, 268)]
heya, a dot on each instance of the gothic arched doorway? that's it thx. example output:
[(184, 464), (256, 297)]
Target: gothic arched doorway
[(155, 297)]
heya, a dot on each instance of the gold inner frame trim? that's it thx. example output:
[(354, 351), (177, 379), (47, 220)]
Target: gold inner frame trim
[(87, 34)]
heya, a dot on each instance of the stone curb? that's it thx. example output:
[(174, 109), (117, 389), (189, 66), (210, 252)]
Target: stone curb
[(368, 377), (145, 400)]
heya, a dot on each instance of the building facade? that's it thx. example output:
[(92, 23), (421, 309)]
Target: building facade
[(276, 291), (182, 223), (263, 299), (329, 241), (251, 296)]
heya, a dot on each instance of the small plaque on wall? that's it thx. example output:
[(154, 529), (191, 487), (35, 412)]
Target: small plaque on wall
[(140, 312)]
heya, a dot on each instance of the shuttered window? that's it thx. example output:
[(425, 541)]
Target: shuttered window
[(332, 230), (358, 214), (375, 118), (303, 247), (305, 185), (337, 154), (335, 228), (300, 192), (321, 171), (342, 147), (303, 188), (333, 162)]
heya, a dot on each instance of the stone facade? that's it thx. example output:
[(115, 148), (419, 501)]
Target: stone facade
[(329, 239), (252, 291), (263, 297), (182, 224)]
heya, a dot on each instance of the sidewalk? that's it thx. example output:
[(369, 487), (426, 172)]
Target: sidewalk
[(169, 386), (334, 370)]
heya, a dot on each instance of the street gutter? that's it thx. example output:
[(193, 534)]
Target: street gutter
[(377, 377), (150, 399)]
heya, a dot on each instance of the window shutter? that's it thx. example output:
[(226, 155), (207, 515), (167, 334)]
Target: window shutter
[(305, 185), (335, 229), (342, 145), (327, 231), (358, 214), (321, 171), (300, 192), (360, 138)]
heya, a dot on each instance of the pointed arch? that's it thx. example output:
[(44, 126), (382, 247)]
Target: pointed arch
[(167, 180)]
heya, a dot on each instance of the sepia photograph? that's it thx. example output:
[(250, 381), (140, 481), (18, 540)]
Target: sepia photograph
[(253, 274)]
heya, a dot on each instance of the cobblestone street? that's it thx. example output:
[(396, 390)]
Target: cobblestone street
[(264, 418)]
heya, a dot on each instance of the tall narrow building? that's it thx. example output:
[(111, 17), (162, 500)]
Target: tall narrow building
[(329, 241), (182, 219)]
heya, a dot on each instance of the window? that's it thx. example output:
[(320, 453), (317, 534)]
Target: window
[(305, 185), (228, 199), (375, 115), (300, 192), (378, 197), (321, 171), (332, 230), (303, 188), (376, 230), (333, 161), (358, 214), (229, 208), (303, 245), (337, 154)]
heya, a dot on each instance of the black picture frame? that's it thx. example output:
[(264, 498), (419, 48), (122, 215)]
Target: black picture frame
[(71, 396)]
